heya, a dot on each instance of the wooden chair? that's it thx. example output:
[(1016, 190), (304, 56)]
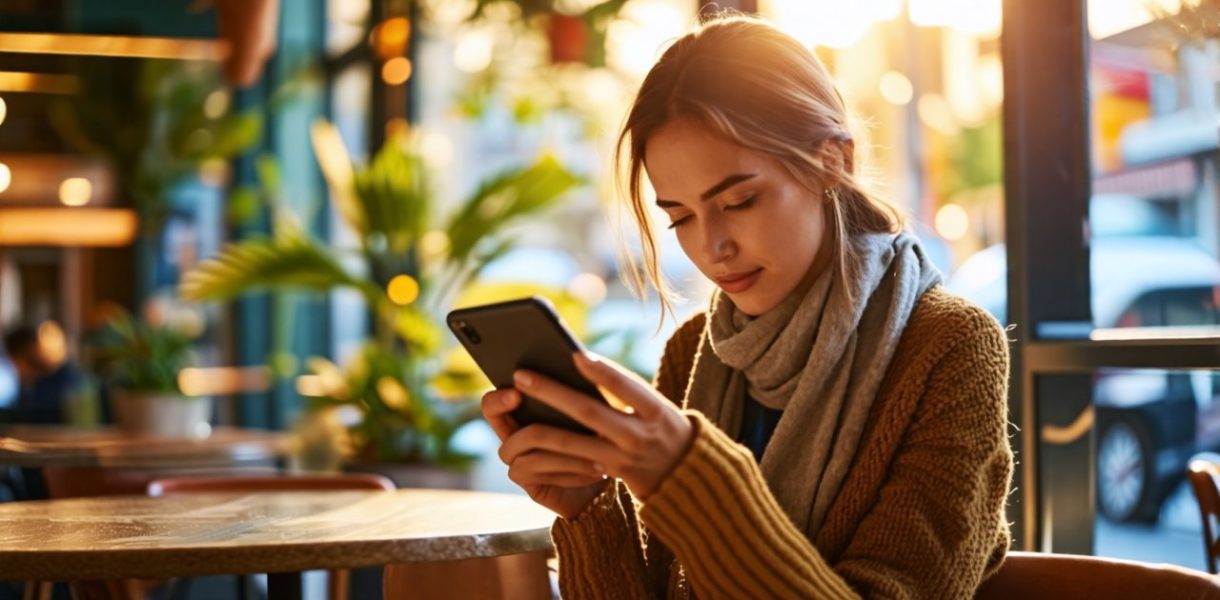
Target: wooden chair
[(337, 579), (510, 577), (1063, 576), (1204, 472)]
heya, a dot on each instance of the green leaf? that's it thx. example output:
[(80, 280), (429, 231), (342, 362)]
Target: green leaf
[(268, 170), (243, 205), (291, 261), (235, 133), (394, 196), (336, 165), (505, 198), (419, 330), (597, 14)]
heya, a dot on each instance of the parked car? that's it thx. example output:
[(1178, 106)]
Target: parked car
[(1149, 422)]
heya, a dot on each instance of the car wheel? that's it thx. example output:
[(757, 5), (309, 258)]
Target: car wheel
[(1125, 482)]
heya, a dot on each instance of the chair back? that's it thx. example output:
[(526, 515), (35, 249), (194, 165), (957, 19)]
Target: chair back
[(1204, 472), (1063, 576), (274, 483)]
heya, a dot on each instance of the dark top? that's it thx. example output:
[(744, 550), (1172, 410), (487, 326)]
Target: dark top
[(757, 424), (43, 400)]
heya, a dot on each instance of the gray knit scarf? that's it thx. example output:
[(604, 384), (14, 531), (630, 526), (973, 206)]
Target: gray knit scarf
[(818, 357)]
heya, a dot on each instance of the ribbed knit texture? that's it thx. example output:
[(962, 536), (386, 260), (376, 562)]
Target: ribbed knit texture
[(921, 514)]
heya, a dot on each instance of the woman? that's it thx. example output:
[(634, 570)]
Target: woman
[(842, 421)]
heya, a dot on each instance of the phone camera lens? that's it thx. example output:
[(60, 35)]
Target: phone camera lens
[(469, 332)]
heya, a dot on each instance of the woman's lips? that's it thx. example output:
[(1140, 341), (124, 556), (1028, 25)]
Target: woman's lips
[(735, 283)]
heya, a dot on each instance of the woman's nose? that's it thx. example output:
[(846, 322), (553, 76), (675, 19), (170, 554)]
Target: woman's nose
[(718, 245)]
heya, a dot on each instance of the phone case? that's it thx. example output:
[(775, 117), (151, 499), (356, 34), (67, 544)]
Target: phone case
[(523, 334)]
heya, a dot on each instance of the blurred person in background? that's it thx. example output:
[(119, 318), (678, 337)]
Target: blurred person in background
[(46, 378), (834, 425)]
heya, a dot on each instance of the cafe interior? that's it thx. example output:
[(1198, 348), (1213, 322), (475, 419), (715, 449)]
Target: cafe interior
[(231, 230)]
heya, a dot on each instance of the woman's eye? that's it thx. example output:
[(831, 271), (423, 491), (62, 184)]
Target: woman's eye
[(678, 222), (744, 204)]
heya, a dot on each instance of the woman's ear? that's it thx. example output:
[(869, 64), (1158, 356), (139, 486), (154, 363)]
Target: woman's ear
[(839, 155), (848, 148)]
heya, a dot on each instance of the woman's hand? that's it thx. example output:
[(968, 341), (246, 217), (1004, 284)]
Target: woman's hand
[(639, 445), (560, 482)]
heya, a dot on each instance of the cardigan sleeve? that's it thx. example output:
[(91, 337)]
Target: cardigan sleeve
[(601, 552), (929, 535), (600, 555), (718, 516)]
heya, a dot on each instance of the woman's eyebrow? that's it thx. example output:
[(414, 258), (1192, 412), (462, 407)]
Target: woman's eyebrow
[(711, 192)]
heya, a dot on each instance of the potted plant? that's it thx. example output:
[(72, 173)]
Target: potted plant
[(405, 392), (574, 36), (140, 360)]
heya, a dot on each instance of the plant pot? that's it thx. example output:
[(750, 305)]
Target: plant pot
[(158, 414), (407, 475), (569, 38)]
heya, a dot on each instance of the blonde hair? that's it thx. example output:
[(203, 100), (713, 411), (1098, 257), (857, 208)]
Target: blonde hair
[(759, 88)]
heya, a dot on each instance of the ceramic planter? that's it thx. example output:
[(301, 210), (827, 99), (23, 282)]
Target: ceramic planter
[(158, 414)]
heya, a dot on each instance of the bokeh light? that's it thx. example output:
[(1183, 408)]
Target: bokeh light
[(396, 71), (952, 222), (896, 88), (75, 191), (403, 290)]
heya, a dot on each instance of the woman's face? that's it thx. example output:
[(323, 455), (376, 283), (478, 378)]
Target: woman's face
[(745, 222)]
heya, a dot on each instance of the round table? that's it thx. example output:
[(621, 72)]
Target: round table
[(81, 539), (104, 461), (61, 446)]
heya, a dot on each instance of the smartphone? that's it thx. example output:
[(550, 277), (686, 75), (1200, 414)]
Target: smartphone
[(523, 334)]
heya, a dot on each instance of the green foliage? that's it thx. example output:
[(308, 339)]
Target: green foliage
[(572, 43), (139, 356), (151, 120), (391, 207), (977, 156), (393, 200), (401, 422), (289, 261), (503, 199), (596, 19)]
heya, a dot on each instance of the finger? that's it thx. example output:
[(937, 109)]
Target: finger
[(546, 438), (564, 481), (598, 416), (553, 463), (551, 492), (623, 384), (497, 405)]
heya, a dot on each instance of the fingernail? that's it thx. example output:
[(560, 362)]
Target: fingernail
[(598, 469), (522, 378), (589, 359), (506, 399)]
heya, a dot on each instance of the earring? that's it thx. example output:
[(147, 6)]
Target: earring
[(830, 194)]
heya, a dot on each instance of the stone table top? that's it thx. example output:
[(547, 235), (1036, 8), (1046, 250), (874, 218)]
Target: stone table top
[(61, 446), (266, 532)]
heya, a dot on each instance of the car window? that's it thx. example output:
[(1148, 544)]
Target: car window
[(1173, 307)]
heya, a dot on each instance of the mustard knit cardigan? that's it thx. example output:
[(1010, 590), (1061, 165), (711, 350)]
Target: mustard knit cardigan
[(921, 515)]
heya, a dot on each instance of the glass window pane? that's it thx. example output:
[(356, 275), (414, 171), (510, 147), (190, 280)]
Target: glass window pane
[(349, 98), (1153, 214), (1148, 425)]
